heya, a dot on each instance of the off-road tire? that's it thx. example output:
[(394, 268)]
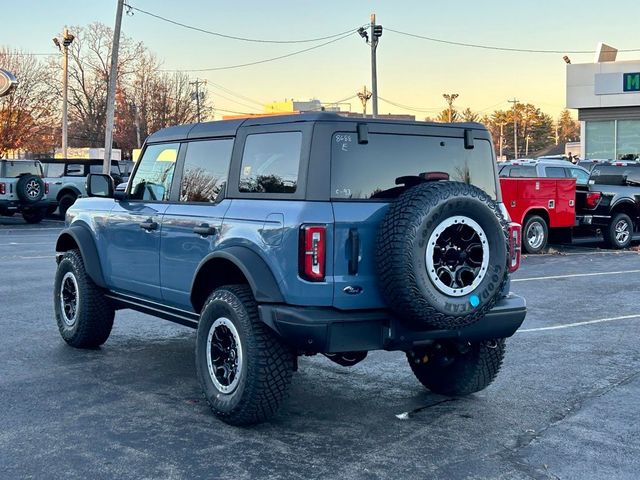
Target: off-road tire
[(468, 372), (65, 203), (402, 243), (610, 232), (529, 223), (267, 365), (22, 189), (94, 318), (34, 216)]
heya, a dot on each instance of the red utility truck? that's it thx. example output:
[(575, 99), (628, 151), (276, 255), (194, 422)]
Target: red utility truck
[(540, 204)]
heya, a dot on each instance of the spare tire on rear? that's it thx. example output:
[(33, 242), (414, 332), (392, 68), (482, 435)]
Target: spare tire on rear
[(442, 255), (30, 188)]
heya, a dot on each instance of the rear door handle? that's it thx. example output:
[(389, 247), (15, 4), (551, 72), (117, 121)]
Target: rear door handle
[(58, 183), (205, 230), (149, 225)]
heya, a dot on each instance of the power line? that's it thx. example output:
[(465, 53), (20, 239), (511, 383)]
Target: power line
[(492, 47), (258, 62), (231, 92), (407, 107), (233, 37)]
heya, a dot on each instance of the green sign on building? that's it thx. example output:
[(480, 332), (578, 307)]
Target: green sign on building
[(631, 82)]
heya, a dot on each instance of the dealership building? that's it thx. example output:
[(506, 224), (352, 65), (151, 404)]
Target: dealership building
[(606, 94)]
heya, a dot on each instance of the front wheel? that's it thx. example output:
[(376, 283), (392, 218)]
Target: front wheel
[(244, 368), (535, 234), (83, 314), (458, 368), (620, 231), (66, 201)]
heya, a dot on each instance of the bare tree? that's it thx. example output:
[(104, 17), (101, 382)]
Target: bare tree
[(27, 115)]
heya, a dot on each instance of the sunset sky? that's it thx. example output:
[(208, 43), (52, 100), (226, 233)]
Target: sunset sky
[(411, 71)]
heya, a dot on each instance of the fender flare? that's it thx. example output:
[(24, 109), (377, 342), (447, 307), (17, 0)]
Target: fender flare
[(624, 203), (83, 238), (63, 191), (258, 274)]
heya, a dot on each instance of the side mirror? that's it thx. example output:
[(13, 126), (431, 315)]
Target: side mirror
[(121, 191), (99, 185)]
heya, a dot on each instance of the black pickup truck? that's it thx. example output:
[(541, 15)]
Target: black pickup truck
[(611, 202)]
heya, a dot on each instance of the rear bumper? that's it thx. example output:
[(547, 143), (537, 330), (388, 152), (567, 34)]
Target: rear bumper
[(327, 330), (593, 220), (15, 205)]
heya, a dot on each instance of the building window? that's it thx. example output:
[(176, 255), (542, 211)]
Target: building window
[(628, 141), (600, 140)]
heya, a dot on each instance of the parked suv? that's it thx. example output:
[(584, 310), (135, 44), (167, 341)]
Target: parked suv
[(283, 236), (23, 189), (67, 179), (544, 168)]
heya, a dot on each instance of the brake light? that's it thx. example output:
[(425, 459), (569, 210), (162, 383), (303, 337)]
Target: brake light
[(592, 200), (46, 188), (3, 188), (312, 252), (515, 246)]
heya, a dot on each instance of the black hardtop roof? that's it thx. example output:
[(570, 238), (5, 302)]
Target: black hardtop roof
[(229, 128), (91, 161)]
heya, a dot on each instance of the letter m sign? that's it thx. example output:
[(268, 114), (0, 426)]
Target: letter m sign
[(631, 82)]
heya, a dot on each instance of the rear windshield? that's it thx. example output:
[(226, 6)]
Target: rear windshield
[(615, 174), (15, 169), (115, 169), (369, 171)]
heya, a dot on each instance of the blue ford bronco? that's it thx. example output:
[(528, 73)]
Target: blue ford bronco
[(294, 235)]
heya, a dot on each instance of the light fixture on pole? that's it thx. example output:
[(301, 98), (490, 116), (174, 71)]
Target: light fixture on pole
[(450, 98), (63, 46)]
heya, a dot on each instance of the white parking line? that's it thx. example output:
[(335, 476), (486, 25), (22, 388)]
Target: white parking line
[(22, 257), (597, 252), (25, 243), (577, 324), (573, 275)]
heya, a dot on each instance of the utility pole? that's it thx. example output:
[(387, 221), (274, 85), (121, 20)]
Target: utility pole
[(450, 98), (67, 38), (111, 92), (197, 82), (375, 33), (364, 97), (136, 121), (501, 138), (526, 150), (515, 129)]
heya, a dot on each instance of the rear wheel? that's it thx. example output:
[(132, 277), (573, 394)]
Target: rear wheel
[(619, 232), (244, 368), (458, 368), (535, 234), (34, 216)]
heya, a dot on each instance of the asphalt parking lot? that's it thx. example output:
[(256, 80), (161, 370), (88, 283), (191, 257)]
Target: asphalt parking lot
[(564, 406)]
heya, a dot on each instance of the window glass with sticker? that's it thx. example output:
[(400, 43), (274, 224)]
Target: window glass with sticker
[(375, 170), (270, 162)]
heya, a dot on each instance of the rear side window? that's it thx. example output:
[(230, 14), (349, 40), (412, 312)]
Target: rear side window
[(270, 162), (206, 166), (369, 171), (504, 171), (523, 172), (555, 172), (54, 170), (115, 169)]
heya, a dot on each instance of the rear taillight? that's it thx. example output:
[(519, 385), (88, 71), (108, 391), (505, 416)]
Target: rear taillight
[(46, 189), (313, 242), (3, 188), (515, 246), (592, 200)]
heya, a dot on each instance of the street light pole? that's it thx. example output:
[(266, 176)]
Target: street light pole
[(111, 92), (374, 67), (67, 38)]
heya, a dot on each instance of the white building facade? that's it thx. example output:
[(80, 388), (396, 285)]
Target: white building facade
[(607, 97)]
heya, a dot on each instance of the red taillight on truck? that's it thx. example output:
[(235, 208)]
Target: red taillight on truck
[(592, 200), (3, 188), (515, 246), (313, 247)]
